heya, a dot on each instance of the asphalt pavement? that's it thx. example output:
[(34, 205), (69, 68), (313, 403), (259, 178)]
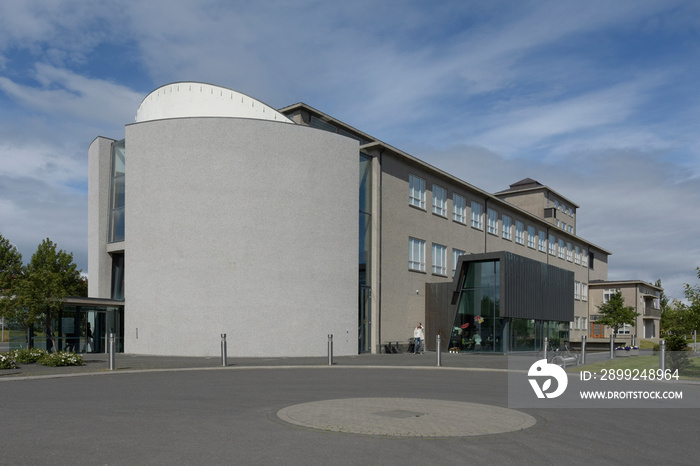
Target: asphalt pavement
[(288, 411)]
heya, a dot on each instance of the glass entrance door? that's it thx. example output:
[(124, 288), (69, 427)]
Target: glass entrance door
[(95, 332)]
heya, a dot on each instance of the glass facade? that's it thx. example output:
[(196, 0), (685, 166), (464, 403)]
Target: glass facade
[(80, 328), (479, 325)]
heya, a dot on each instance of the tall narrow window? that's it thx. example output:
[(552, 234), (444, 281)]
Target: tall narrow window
[(439, 259), (459, 208), (552, 245), (116, 198), (416, 195), (477, 215), (416, 254), (543, 241), (492, 225), (519, 232), (560, 253), (506, 227), (569, 252), (439, 200), (531, 237), (455, 258)]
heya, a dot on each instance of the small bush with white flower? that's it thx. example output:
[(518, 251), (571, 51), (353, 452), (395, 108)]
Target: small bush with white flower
[(62, 358), (7, 361), (28, 356)]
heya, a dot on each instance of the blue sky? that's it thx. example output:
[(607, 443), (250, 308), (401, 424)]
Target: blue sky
[(596, 99)]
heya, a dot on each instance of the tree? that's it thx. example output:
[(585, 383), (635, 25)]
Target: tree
[(692, 309), (38, 294), (615, 314), (10, 270), (10, 265)]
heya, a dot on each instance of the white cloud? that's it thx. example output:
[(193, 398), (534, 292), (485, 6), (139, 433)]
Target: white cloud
[(66, 93)]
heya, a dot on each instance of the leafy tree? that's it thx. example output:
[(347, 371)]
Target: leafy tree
[(10, 271), (38, 294), (10, 265), (615, 314), (692, 309)]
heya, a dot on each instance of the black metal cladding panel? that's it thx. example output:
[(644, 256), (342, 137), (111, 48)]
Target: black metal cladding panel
[(534, 290)]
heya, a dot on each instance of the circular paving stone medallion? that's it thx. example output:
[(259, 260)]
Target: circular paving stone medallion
[(406, 417)]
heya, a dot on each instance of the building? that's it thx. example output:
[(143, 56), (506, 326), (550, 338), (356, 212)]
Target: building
[(218, 214), (644, 297)]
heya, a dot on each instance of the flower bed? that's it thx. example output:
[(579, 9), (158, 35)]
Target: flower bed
[(626, 351)]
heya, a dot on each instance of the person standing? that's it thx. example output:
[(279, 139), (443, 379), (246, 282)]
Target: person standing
[(89, 340), (418, 337)]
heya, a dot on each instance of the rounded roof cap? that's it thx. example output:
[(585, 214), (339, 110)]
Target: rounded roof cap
[(192, 99)]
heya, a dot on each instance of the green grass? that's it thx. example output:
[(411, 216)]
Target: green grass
[(637, 362), (646, 344)]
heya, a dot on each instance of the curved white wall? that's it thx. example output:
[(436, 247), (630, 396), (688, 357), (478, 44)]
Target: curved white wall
[(244, 227), (190, 99)]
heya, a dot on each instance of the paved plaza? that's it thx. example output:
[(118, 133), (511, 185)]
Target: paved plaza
[(368, 409)]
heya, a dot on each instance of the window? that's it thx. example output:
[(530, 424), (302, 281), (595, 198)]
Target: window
[(531, 237), (506, 227), (439, 259), (625, 329), (477, 215), (584, 291), (591, 261), (584, 323), (543, 241), (577, 256), (459, 208), (569, 252), (492, 225), (571, 229), (519, 232), (439, 200), (117, 190), (584, 258), (552, 245), (577, 323), (455, 258), (563, 226), (607, 294), (416, 195), (416, 254), (577, 291), (561, 249)]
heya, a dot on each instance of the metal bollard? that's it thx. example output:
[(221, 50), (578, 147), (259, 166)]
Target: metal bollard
[(223, 350), (546, 341), (583, 349), (662, 356), (330, 349), (612, 346), (112, 356), (439, 351)]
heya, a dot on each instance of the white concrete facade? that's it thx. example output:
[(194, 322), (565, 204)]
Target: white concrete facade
[(240, 226)]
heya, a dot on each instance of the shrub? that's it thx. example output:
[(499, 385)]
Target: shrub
[(62, 358), (28, 356), (7, 361)]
